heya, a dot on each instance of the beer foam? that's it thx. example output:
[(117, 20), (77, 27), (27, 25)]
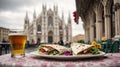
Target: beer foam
[(15, 34)]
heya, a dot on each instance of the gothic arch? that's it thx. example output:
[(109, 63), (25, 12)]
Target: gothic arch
[(50, 20), (50, 37), (50, 33), (38, 28), (60, 27)]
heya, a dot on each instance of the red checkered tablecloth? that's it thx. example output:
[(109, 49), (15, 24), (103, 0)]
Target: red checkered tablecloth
[(29, 61)]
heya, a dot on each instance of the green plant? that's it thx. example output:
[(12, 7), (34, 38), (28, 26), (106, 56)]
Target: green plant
[(80, 41)]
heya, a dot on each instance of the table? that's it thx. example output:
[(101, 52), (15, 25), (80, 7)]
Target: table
[(28, 61)]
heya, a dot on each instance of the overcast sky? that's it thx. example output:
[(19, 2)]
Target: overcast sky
[(12, 12)]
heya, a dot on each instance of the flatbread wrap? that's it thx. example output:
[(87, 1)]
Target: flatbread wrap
[(79, 49), (52, 49)]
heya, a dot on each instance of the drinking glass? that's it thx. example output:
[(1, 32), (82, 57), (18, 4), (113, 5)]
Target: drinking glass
[(17, 42)]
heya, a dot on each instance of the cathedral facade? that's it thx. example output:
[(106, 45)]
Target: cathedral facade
[(48, 27)]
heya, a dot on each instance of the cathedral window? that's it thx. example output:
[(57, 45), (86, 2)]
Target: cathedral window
[(44, 17), (50, 21), (60, 27), (38, 28), (61, 36)]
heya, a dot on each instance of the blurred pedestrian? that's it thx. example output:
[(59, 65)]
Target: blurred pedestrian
[(61, 42)]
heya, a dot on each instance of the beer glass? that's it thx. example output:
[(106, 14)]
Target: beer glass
[(17, 42)]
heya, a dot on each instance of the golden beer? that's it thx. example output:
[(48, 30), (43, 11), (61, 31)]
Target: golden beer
[(18, 42)]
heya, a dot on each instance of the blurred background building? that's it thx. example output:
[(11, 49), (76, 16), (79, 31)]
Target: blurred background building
[(78, 37), (4, 34), (101, 18)]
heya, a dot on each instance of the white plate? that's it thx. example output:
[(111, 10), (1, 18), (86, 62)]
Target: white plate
[(36, 54)]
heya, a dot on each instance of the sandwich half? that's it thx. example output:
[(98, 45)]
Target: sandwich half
[(79, 48), (52, 49)]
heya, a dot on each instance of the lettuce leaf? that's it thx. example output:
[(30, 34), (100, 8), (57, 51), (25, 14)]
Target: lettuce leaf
[(94, 50)]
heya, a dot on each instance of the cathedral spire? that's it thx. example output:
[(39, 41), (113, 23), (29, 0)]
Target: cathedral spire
[(26, 21), (55, 9), (62, 15), (69, 18), (34, 15), (44, 7), (26, 17)]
